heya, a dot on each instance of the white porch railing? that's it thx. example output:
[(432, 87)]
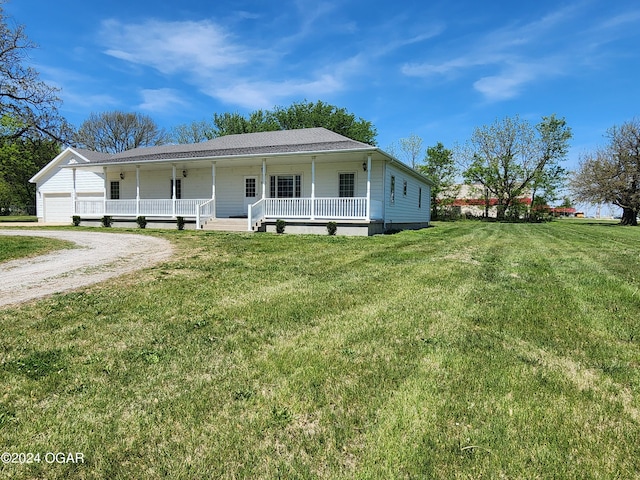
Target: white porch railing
[(146, 207), (204, 210), (287, 207), (343, 208)]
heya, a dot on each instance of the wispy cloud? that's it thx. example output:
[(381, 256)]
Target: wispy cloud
[(161, 100), (73, 86), (510, 82), (212, 59), (519, 53), (173, 47), (266, 94)]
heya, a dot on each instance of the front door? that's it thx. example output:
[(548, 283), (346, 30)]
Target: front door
[(250, 192)]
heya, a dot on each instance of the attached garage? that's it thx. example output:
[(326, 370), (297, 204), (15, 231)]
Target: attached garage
[(57, 207)]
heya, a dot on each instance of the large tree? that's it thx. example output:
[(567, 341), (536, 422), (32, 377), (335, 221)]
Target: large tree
[(510, 158), (30, 103), (411, 149), (297, 115), (113, 132), (320, 114), (612, 174), (21, 157), (194, 132), (439, 166), (234, 123)]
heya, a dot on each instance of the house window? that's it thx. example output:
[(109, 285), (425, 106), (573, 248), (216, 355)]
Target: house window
[(178, 189), (404, 188), (392, 198), (115, 191), (285, 186), (419, 197), (347, 185), (250, 187)]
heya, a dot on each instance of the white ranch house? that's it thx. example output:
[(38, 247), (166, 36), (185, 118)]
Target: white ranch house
[(307, 177)]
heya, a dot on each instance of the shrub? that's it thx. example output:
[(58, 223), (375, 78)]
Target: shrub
[(75, 220), (280, 225), (141, 221), (332, 228), (180, 223), (107, 221)]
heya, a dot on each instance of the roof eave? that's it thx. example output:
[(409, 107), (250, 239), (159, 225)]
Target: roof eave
[(407, 168), (225, 157), (53, 163)]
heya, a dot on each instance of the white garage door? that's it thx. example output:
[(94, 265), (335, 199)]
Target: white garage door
[(57, 207)]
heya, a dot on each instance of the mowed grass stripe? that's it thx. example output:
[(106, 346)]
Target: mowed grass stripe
[(463, 351)]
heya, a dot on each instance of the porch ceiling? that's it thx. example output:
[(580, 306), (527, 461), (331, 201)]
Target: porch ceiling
[(300, 158)]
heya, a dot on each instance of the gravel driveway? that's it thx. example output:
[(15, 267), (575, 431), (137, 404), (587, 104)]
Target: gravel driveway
[(98, 256)]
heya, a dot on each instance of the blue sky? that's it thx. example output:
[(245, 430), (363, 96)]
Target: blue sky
[(433, 68)]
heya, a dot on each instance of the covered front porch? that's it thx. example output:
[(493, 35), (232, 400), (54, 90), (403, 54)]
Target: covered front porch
[(200, 210), (243, 189)]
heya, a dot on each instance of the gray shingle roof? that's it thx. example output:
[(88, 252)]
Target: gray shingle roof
[(93, 156), (281, 141)]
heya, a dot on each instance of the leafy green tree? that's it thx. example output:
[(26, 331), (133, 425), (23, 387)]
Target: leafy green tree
[(439, 166), (510, 158), (612, 174), (297, 115), (234, 123), (566, 203), (21, 158), (320, 114), (113, 132)]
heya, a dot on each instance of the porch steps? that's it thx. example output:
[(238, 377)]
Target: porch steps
[(226, 224)]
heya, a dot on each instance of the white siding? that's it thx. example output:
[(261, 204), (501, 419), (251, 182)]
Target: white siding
[(328, 178), (156, 184), (60, 181), (230, 201), (88, 181), (404, 208)]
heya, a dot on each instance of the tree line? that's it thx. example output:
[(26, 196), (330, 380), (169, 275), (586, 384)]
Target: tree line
[(116, 131), (508, 159)]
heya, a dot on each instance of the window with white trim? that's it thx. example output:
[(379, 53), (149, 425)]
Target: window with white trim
[(178, 189), (392, 197), (404, 188), (347, 185), (285, 186), (250, 187), (419, 197), (114, 191)]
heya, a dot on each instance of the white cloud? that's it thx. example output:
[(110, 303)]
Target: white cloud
[(451, 66), (504, 86), (173, 47), (160, 100), (267, 94)]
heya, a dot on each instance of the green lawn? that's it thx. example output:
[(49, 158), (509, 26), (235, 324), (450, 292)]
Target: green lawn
[(12, 247), (468, 350), (18, 218)]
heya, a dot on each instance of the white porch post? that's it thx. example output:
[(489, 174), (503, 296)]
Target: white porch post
[(173, 190), (313, 188), (104, 197), (137, 190), (213, 188), (74, 195), (264, 178), (368, 187)]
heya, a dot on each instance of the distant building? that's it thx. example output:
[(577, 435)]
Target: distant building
[(472, 200)]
